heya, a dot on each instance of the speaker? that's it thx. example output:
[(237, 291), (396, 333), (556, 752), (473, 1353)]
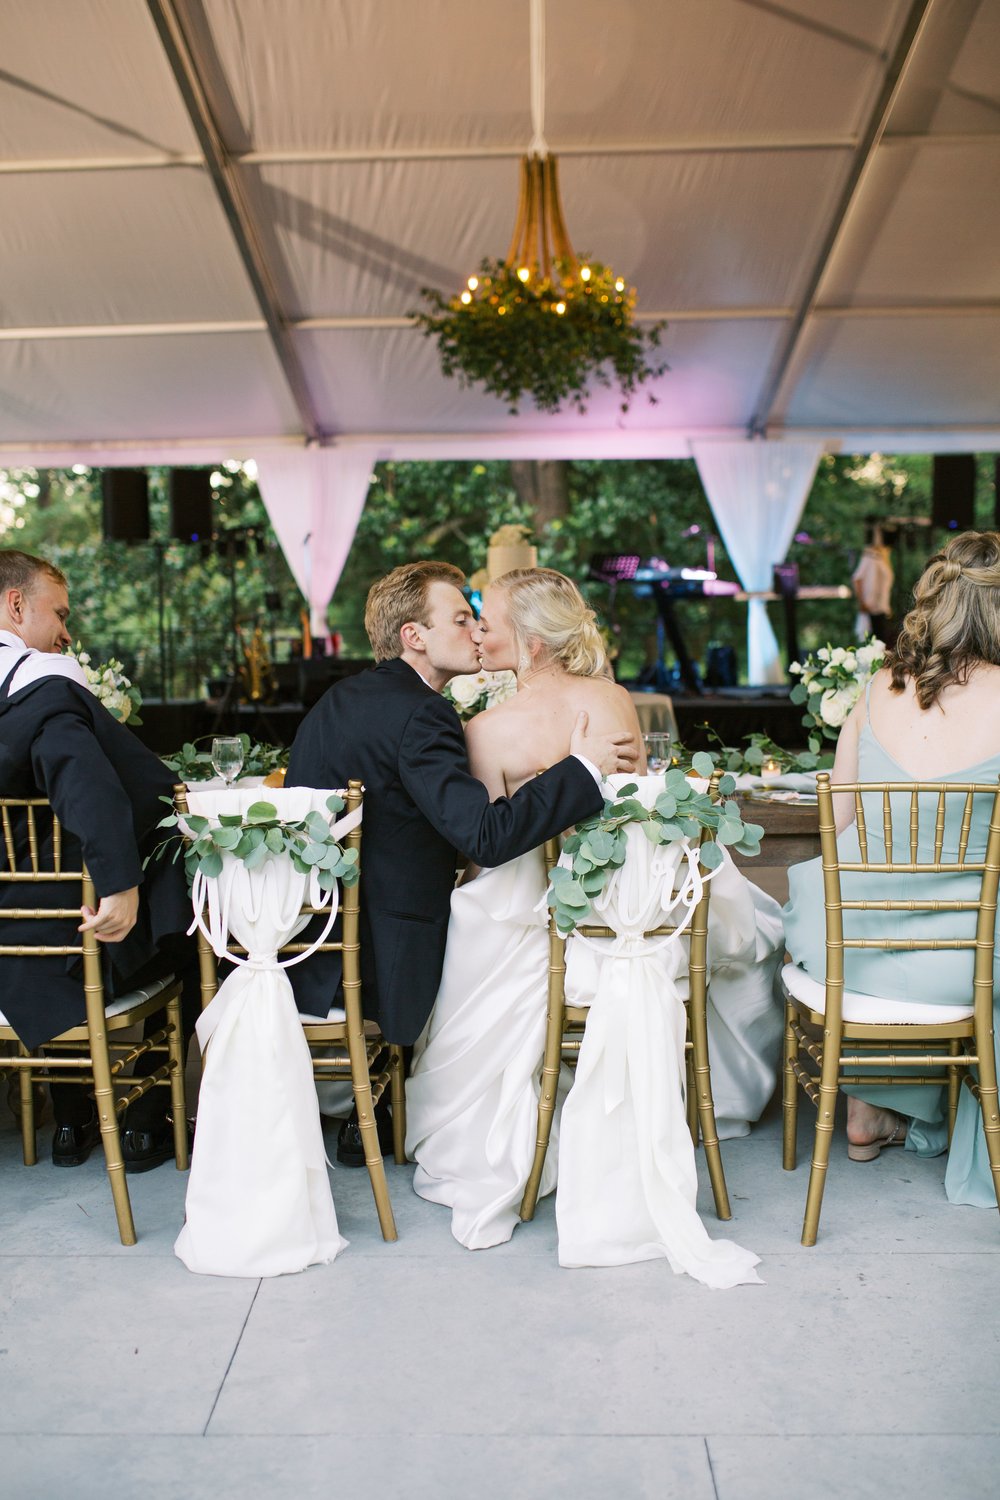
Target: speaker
[(190, 504), (125, 505), (953, 503)]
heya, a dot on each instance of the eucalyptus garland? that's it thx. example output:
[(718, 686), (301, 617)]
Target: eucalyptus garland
[(189, 763), (599, 845), (760, 750), (256, 835), (543, 337)]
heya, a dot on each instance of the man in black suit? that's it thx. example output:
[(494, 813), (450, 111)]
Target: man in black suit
[(57, 741), (391, 728)]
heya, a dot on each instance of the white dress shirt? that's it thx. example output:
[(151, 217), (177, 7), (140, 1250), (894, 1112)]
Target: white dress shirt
[(36, 664)]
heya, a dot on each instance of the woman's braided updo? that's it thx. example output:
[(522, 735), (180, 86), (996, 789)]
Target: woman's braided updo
[(547, 606), (955, 619)]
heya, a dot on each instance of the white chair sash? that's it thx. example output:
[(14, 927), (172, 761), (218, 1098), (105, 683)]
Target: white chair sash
[(627, 1182), (259, 1200)]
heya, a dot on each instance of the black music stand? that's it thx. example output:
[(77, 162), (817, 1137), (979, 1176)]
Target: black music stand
[(786, 586), (671, 625)]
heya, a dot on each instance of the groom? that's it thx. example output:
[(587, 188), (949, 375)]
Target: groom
[(391, 728)]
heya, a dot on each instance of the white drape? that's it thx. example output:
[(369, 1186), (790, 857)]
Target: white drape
[(757, 491), (258, 1200), (314, 498)]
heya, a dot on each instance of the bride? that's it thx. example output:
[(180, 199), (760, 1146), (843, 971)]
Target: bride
[(472, 1098)]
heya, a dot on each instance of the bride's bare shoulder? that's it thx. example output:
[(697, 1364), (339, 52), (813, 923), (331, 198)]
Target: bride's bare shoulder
[(601, 694), (496, 721)]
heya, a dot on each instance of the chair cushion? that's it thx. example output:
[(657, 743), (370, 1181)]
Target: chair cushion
[(870, 1010), (333, 1017), (125, 1002)]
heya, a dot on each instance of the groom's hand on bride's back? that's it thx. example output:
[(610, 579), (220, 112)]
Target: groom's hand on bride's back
[(608, 752)]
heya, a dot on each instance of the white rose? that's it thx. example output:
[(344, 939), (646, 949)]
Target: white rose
[(816, 687), (499, 687), (837, 703), (849, 662), (837, 656), (465, 690), (795, 667), (823, 654)]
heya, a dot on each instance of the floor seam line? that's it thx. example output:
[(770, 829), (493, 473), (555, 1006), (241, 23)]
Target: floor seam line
[(711, 1469), (229, 1366)]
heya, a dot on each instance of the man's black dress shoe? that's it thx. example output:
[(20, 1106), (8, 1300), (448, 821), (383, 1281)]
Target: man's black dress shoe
[(145, 1149), (350, 1149), (72, 1144)]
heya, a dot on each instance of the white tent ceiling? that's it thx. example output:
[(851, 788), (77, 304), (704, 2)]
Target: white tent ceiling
[(215, 216)]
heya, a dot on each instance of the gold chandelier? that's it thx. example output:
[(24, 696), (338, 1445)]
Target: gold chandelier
[(540, 323)]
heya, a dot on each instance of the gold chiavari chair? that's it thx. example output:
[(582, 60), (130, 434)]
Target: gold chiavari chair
[(822, 1041), (565, 1025), (344, 1046), (85, 1054)]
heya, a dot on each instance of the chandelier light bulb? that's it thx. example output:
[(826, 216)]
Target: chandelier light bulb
[(560, 308), (584, 273), (523, 273), (472, 283), (466, 298), (619, 285)]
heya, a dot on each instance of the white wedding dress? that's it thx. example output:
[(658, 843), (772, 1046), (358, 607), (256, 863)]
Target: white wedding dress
[(621, 1149)]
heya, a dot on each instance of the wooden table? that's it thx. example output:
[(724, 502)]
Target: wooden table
[(791, 834)]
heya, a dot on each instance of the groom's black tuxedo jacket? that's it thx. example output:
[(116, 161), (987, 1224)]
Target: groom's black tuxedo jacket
[(57, 741), (387, 728)]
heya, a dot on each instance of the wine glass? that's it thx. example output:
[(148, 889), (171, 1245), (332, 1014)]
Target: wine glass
[(227, 757), (657, 752)]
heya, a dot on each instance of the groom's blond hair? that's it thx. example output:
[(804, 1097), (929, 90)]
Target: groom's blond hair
[(401, 597)]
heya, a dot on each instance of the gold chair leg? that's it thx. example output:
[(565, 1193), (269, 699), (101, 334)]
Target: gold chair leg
[(29, 1141), (954, 1087), (546, 1113), (988, 1102), (790, 1094), (825, 1113), (555, 1019), (398, 1100), (178, 1102), (362, 1085), (104, 1099), (705, 1104), (690, 1094), (380, 1188)]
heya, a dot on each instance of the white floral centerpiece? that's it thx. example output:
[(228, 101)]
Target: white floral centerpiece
[(831, 680), (110, 686), (478, 691)]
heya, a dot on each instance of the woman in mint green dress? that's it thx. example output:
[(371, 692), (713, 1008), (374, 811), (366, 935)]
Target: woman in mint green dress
[(931, 714)]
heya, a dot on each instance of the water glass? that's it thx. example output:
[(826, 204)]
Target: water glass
[(657, 752), (227, 757)]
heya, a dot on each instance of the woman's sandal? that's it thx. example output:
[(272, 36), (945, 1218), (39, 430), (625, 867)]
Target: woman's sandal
[(896, 1137)]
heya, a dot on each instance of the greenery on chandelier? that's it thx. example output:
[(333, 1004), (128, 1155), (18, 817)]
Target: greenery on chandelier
[(257, 835), (518, 332), (599, 845)]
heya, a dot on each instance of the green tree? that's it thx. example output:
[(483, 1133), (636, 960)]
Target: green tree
[(114, 587)]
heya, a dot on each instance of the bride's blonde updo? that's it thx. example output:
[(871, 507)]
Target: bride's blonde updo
[(547, 606), (955, 619)]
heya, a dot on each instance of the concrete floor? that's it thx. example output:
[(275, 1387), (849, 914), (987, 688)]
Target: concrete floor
[(867, 1366)]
